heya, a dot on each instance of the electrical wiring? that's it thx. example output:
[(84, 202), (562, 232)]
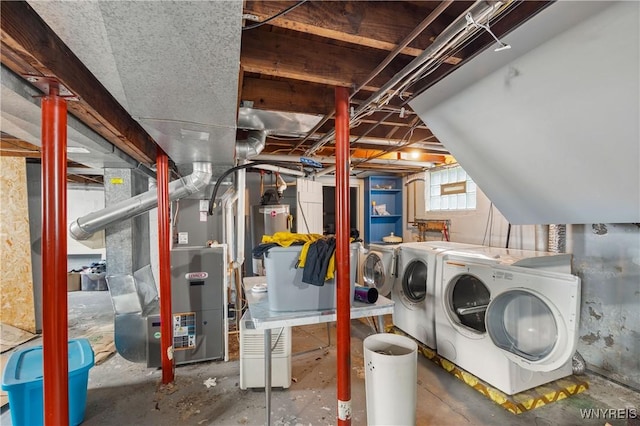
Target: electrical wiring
[(401, 144), (444, 49), (212, 200), (282, 12)]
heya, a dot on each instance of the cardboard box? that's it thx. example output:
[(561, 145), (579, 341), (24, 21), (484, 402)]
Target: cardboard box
[(73, 281)]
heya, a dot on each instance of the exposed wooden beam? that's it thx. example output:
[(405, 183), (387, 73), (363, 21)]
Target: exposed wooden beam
[(288, 96), (284, 55), (362, 154), (381, 132), (93, 180), (13, 147), (29, 46), (381, 27)]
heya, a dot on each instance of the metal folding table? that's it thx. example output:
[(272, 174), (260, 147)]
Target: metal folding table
[(265, 319)]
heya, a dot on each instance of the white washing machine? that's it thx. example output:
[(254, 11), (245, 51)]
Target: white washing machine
[(414, 288), (509, 317), (378, 267)]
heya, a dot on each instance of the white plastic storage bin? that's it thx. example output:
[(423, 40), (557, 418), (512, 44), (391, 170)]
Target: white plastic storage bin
[(286, 290), (252, 356)]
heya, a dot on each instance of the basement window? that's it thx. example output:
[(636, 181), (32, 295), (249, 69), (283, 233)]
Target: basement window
[(449, 189)]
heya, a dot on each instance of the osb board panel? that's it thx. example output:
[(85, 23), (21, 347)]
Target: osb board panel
[(16, 282), (10, 337)]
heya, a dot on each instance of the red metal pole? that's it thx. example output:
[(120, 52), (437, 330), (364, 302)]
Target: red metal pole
[(343, 231), (166, 317), (54, 259)]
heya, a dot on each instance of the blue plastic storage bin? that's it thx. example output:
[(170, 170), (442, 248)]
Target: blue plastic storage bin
[(22, 379)]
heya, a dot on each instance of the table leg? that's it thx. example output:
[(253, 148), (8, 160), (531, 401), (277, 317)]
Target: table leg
[(328, 334), (267, 372), (380, 323)]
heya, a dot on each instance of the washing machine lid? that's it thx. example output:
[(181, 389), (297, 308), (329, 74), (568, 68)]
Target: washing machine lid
[(535, 322), (376, 274)]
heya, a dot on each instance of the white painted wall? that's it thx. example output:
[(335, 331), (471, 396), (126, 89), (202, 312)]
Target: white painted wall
[(484, 225), (82, 201)]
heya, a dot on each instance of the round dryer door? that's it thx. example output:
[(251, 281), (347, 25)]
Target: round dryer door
[(528, 328), (414, 281), (468, 298), (375, 275)]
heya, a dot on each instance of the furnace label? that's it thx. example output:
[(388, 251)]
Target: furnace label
[(184, 331)]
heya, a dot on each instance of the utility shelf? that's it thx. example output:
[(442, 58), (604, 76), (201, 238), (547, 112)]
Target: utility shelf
[(382, 193)]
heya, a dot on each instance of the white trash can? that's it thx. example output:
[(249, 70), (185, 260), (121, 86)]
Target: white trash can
[(390, 376)]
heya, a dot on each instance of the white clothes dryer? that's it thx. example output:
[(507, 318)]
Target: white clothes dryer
[(414, 288), (559, 262), (514, 327), (378, 267)]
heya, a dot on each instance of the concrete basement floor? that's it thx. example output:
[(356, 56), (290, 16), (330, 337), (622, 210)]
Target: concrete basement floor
[(124, 393)]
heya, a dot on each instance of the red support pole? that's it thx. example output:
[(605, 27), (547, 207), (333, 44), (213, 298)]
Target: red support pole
[(164, 256), (54, 259), (343, 231)]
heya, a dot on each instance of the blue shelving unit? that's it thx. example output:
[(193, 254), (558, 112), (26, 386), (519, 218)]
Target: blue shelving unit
[(382, 191)]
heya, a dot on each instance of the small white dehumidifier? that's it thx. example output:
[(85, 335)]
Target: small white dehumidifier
[(252, 356)]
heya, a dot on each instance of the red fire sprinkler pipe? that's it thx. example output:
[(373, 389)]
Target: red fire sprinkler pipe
[(343, 327), (166, 319), (54, 258)]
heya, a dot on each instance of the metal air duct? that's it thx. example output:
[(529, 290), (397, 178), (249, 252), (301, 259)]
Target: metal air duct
[(252, 146), (84, 227)]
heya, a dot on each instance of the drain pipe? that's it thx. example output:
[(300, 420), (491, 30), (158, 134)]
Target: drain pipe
[(245, 149), (85, 226), (228, 200)]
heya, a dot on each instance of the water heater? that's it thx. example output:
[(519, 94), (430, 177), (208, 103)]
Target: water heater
[(267, 220)]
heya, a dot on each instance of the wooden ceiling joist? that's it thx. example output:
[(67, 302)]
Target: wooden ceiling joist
[(381, 27), (30, 47), (287, 56), (288, 96)]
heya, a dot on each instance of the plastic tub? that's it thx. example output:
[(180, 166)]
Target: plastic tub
[(286, 290), (22, 380)]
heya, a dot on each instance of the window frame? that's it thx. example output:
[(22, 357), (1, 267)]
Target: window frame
[(452, 187)]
